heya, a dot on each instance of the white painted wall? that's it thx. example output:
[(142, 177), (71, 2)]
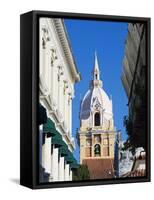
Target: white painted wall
[(40, 143), (70, 175), (61, 169), (57, 80), (67, 172), (55, 164), (54, 71), (47, 154)]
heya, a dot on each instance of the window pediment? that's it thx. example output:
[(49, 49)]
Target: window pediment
[(96, 103)]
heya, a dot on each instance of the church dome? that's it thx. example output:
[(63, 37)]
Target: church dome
[(99, 95), (96, 98)]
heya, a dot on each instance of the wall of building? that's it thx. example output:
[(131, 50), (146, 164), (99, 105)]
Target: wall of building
[(55, 75), (134, 81), (84, 147), (57, 80)]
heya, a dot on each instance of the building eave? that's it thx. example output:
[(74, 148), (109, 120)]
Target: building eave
[(64, 40)]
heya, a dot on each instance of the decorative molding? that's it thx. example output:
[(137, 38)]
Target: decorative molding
[(69, 97), (43, 88), (53, 57), (64, 41), (59, 115), (65, 86), (60, 72), (53, 103), (65, 127), (60, 57), (45, 37)]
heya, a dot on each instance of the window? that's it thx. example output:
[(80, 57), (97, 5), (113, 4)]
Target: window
[(97, 119), (97, 150)]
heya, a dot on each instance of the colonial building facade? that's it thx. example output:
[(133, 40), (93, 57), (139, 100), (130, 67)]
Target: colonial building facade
[(96, 134), (57, 76), (133, 78)]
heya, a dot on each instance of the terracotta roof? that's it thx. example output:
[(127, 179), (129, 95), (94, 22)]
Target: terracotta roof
[(136, 173), (100, 168)]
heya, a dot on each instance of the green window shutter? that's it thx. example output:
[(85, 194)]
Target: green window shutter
[(63, 150), (69, 158), (57, 139), (49, 128)]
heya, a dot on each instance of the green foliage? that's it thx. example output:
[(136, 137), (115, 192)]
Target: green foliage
[(128, 125), (81, 173), (129, 144), (135, 130)]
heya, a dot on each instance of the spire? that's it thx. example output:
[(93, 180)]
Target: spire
[(96, 71), (96, 82)]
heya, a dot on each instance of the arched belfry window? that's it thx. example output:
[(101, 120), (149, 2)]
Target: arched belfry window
[(97, 150), (97, 119)]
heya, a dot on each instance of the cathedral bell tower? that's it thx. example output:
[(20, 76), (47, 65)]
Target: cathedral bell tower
[(96, 133)]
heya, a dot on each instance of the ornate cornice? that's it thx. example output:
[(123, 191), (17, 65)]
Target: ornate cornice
[(62, 35)]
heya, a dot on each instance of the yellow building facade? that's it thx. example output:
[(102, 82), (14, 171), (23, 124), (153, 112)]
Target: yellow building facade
[(96, 134)]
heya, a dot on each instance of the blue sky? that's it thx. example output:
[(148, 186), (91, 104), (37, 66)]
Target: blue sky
[(108, 39)]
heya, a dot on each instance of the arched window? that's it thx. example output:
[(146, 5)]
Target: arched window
[(97, 119), (97, 150)]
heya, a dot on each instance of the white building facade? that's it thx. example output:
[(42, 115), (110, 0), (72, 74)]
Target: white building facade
[(57, 76)]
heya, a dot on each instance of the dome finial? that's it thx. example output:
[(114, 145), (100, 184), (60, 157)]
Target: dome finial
[(96, 71)]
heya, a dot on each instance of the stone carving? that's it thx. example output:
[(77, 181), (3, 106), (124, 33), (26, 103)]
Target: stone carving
[(60, 72), (54, 56), (45, 37), (69, 98), (65, 86)]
